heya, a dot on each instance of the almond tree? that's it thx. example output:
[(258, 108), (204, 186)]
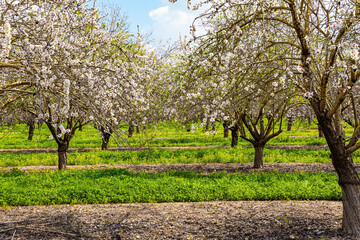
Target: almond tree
[(142, 83), (56, 55), (213, 76), (316, 43)]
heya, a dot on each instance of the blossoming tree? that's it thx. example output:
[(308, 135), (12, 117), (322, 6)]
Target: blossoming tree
[(254, 98), (57, 56), (316, 43)]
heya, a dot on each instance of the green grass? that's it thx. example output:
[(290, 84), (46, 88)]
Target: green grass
[(16, 137), (236, 155), (121, 186), (164, 135)]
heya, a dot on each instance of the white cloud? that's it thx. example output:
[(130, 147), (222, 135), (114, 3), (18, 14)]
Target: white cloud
[(159, 13), (170, 23)]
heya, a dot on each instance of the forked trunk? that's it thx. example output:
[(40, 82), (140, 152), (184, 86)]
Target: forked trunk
[(31, 130), (62, 154), (259, 157), (105, 140), (226, 129)]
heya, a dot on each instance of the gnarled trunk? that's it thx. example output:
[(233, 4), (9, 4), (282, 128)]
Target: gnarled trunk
[(105, 136), (31, 130), (226, 129), (62, 154), (259, 156), (63, 144), (351, 208), (348, 177), (350, 187), (105, 141)]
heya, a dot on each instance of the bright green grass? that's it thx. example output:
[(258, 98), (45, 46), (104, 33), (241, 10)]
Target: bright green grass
[(16, 137), (237, 155), (121, 186), (165, 135)]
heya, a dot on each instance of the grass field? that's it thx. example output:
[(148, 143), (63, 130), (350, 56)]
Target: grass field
[(121, 186), (118, 186), (15, 138), (237, 155)]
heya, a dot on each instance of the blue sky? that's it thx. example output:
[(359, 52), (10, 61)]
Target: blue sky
[(164, 20)]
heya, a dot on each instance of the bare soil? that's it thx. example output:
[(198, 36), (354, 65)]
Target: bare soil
[(199, 220)]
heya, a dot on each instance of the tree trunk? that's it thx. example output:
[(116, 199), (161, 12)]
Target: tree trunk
[(105, 136), (234, 136), (31, 130), (290, 121), (350, 186), (62, 154), (259, 156), (137, 130), (351, 208), (207, 125), (348, 177), (213, 126), (226, 129), (321, 133), (105, 141), (131, 129)]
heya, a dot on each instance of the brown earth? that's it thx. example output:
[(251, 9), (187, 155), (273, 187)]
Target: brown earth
[(199, 220)]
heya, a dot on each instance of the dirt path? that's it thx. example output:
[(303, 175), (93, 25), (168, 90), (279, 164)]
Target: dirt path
[(200, 220)]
